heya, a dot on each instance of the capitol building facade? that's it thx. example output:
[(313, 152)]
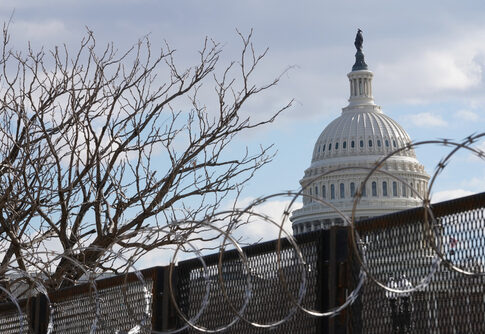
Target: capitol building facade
[(345, 152)]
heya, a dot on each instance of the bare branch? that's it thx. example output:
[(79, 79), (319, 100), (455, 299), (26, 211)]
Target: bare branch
[(93, 154)]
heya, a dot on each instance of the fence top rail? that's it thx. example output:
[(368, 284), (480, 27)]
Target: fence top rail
[(105, 283), (414, 215), (8, 307), (250, 250)]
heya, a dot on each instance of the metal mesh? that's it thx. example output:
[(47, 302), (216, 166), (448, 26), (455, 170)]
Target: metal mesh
[(11, 323), (400, 253), (400, 250), (269, 301), (121, 308)]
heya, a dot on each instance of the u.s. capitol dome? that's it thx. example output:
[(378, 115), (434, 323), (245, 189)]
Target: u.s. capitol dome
[(345, 152)]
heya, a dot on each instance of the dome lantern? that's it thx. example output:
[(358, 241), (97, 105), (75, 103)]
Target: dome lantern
[(360, 78)]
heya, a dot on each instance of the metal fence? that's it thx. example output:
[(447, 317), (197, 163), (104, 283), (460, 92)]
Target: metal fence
[(111, 305), (400, 250), (11, 320), (265, 299), (272, 287)]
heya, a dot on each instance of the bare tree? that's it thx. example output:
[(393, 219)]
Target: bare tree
[(95, 154)]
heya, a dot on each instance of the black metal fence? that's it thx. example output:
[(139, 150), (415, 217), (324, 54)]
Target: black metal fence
[(398, 250), (266, 298)]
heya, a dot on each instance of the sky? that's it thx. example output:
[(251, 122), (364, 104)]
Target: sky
[(428, 59)]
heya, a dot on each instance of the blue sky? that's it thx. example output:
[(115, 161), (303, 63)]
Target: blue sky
[(428, 59)]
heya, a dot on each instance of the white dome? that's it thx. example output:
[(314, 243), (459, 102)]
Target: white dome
[(348, 148), (360, 132)]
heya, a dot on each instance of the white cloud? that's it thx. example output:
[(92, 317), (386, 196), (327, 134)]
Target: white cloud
[(431, 72), (258, 229), (476, 183), (427, 119), (156, 257), (40, 30), (263, 229), (434, 67), (466, 115), (450, 194)]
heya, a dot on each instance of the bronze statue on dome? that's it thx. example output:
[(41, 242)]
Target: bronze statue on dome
[(359, 56), (359, 40)]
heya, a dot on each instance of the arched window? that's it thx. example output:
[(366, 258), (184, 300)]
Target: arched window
[(374, 188), (378, 143), (352, 144), (332, 192), (404, 193), (342, 190), (324, 191), (344, 145), (361, 143), (316, 190), (318, 149), (352, 189), (336, 145), (394, 143), (384, 188), (370, 143), (330, 146), (323, 148), (364, 190), (394, 189), (387, 143), (411, 188)]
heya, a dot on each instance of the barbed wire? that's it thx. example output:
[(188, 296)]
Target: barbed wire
[(433, 234)]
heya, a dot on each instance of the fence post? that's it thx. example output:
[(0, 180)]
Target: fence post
[(341, 277), (354, 314), (337, 277), (164, 313), (323, 248), (170, 316), (157, 301), (32, 315), (39, 315), (332, 273)]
